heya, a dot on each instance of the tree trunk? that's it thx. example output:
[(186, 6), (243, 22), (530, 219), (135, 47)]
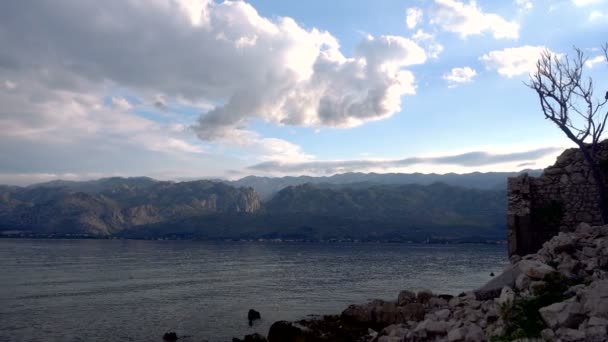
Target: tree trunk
[(599, 180)]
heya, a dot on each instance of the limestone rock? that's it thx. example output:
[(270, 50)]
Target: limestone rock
[(570, 335), (406, 297), (458, 334), (596, 299), (534, 269), (506, 296), (475, 333), (564, 314)]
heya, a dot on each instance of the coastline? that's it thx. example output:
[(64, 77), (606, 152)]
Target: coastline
[(559, 293)]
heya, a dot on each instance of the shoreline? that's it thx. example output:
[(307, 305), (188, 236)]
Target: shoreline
[(559, 293)]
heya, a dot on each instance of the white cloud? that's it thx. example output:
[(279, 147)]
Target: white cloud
[(458, 76), (595, 60), (582, 3), (427, 41), (224, 55), (513, 62), (413, 17), (596, 15), (484, 161), (524, 5), (121, 104), (469, 19)]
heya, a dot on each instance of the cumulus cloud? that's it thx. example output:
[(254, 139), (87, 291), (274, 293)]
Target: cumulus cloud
[(524, 5), (591, 62), (469, 19), (428, 42), (458, 76), (223, 59), (465, 160), (413, 16), (511, 62)]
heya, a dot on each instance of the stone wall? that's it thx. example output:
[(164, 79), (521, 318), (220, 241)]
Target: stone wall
[(558, 200)]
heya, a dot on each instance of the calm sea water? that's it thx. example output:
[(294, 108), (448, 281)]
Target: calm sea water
[(110, 290)]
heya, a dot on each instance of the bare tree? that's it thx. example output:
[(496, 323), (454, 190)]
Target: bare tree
[(567, 99)]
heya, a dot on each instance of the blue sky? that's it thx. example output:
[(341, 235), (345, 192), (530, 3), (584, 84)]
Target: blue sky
[(194, 88)]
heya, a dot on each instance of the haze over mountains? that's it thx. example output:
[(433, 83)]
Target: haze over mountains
[(268, 186), (347, 206)]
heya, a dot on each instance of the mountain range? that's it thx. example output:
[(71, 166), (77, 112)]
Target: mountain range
[(349, 206), (269, 186)]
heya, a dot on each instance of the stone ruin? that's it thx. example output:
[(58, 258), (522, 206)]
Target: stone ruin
[(556, 201)]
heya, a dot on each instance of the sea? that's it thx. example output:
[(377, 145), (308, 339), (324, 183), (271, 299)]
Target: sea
[(135, 290)]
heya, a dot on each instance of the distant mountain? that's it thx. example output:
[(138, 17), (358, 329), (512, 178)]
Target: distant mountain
[(269, 186), (359, 210), (379, 212), (107, 206)]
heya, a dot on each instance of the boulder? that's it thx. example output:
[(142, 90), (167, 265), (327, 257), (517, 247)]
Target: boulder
[(596, 299), (251, 338), (413, 312), (534, 269), (431, 327), (570, 335), (443, 315), (283, 331), (253, 315), (506, 296), (567, 314), (458, 334), (170, 336), (406, 297), (424, 296), (493, 288), (475, 334), (365, 313)]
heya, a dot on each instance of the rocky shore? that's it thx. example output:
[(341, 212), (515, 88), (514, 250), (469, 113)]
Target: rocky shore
[(559, 293)]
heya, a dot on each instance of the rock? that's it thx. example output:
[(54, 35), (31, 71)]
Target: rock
[(424, 296), (538, 286), (596, 334), (363, 313), (562, 243), (596, 299), (253, 315), (506, 296), (570, 335), (547, 335), (456, 335), (170, 336), (395, 332), (413, 312), (567, 314), (514, 259), (283, 331), (443, 315), (432, 327), (493, 288), (522, 282), (475, 334), (585, 229), (595, 321), (251, 338), (534, 269), (447, 297), (387, 313), (406, 297), (437, 302)]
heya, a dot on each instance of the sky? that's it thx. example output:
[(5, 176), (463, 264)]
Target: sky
[(183, 89)]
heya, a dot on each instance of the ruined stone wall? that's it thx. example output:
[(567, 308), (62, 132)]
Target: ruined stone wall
[(558, 200)]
